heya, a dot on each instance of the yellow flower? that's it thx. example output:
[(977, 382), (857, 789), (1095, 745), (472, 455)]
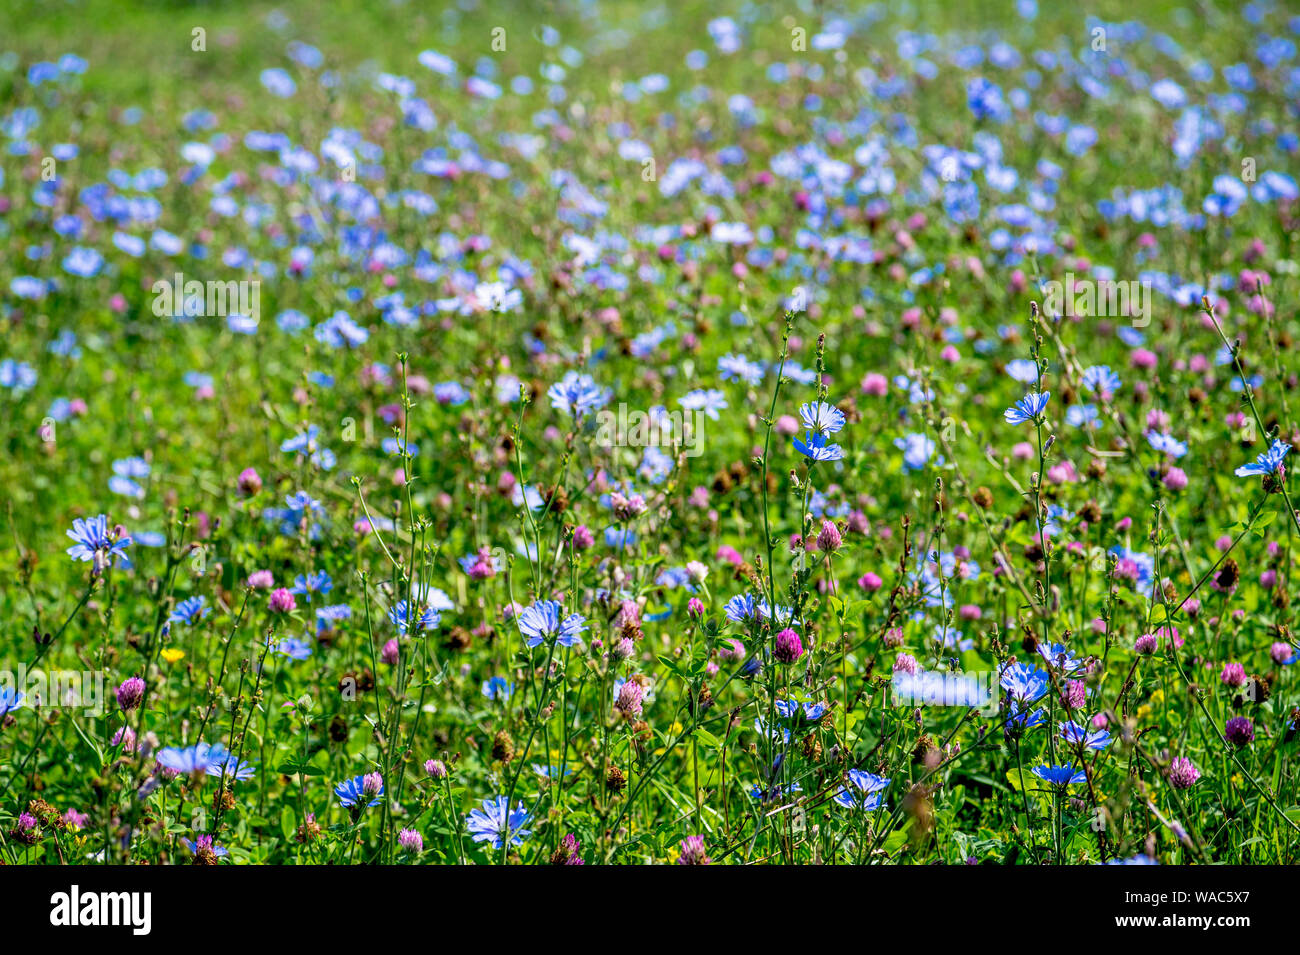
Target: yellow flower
[(172, 655), (1143, 712), (1157, 697)]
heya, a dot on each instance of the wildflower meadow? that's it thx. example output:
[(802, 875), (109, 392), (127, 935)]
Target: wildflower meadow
[(596, 433)]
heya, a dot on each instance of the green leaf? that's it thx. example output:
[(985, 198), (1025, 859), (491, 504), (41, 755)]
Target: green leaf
[(299, 769), (671, 664), (707, 738)]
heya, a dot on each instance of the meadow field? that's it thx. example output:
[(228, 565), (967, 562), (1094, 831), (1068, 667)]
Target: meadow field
[(649, 433)]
